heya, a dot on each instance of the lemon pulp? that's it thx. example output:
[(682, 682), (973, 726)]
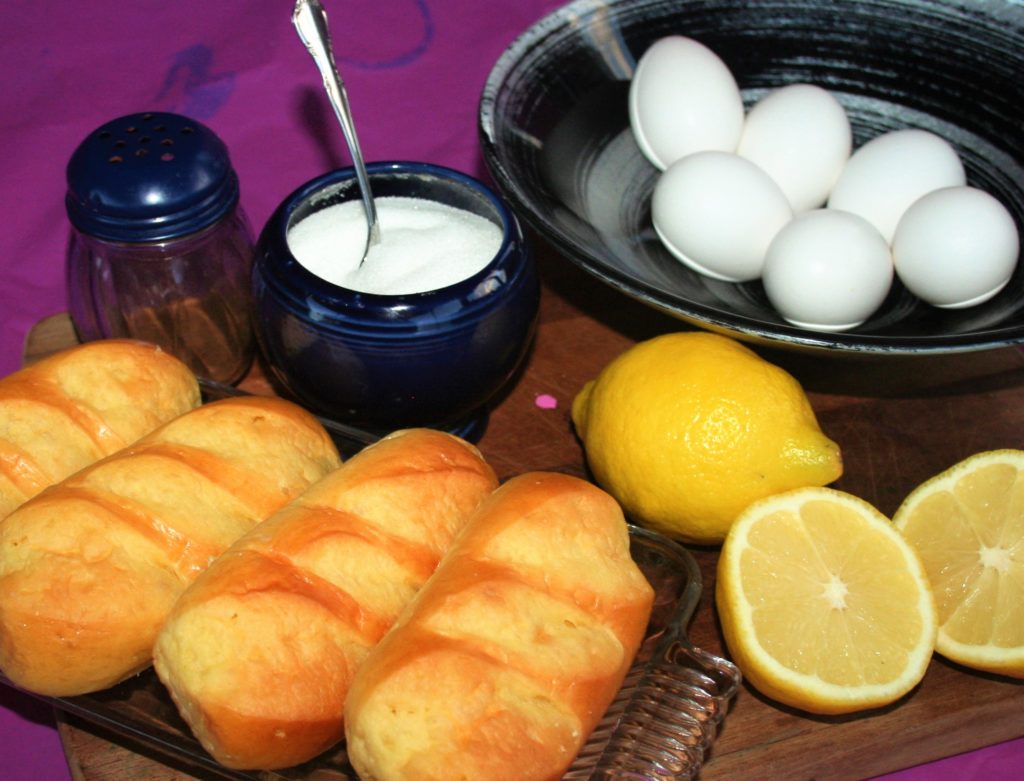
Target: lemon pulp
[(824, 606), (967, 523)]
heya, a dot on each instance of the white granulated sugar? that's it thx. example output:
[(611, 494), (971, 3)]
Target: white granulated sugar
[(425, 245)]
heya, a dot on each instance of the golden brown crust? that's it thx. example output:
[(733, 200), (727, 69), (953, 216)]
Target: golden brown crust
[(506, 659), (90, 568), (75, 407), (259, 652)]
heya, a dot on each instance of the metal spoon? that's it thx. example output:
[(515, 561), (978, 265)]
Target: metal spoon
[(310, 21)]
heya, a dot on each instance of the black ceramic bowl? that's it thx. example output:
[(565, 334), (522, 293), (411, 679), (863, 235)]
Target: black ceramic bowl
[(383, 362), (555, 133)]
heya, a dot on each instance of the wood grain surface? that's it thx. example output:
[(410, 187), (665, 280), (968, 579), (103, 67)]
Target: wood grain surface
[(897, 420)]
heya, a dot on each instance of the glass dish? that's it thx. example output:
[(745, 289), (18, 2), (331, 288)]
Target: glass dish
[(661, 724), (555, 133)]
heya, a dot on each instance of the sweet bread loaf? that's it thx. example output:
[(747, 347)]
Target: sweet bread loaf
[(74, 407), (506, 659), (90, 568), (259, 652)]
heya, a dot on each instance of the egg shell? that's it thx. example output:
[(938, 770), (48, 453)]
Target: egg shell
[(683, 99), (717, 212), (800, 135), (956, 247), (827, 270), (891, 171)]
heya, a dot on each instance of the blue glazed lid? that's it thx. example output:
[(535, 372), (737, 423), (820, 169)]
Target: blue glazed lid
[(149, 177)]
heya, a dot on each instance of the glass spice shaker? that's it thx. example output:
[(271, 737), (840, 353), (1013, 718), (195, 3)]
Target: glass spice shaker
[(160, 249)]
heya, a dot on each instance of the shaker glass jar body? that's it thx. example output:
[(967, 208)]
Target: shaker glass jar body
[(189, 295)]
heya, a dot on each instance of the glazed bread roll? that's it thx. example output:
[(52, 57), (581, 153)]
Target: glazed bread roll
[(507, 658), (259, 652), (75, 407), (90, 568)]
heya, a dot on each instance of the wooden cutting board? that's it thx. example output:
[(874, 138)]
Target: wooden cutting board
[(897, 420)]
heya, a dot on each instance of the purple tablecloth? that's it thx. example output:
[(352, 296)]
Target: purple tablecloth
[(413, 69)]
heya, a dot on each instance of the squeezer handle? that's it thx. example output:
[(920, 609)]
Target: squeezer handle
[(665, 718)]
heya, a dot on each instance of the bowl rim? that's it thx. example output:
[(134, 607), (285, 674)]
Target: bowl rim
[(308, 285)]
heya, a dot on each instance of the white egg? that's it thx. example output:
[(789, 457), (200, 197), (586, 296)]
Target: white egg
[(827, 270), (717, 213), (683, 99), (800, 135), (891, 171), (956, 247)]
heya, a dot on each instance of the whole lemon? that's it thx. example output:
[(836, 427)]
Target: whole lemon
[(687, 429)]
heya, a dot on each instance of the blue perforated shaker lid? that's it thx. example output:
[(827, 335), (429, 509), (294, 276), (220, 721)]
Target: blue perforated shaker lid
[(149, 177)]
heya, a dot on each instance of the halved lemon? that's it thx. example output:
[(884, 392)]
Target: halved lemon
[(823, 604), (967, 524)]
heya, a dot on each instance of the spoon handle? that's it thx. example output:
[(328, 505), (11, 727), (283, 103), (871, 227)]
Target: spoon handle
[(310, 20)]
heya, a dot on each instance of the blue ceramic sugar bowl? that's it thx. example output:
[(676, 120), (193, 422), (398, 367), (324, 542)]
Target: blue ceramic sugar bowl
[(383, 361)]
